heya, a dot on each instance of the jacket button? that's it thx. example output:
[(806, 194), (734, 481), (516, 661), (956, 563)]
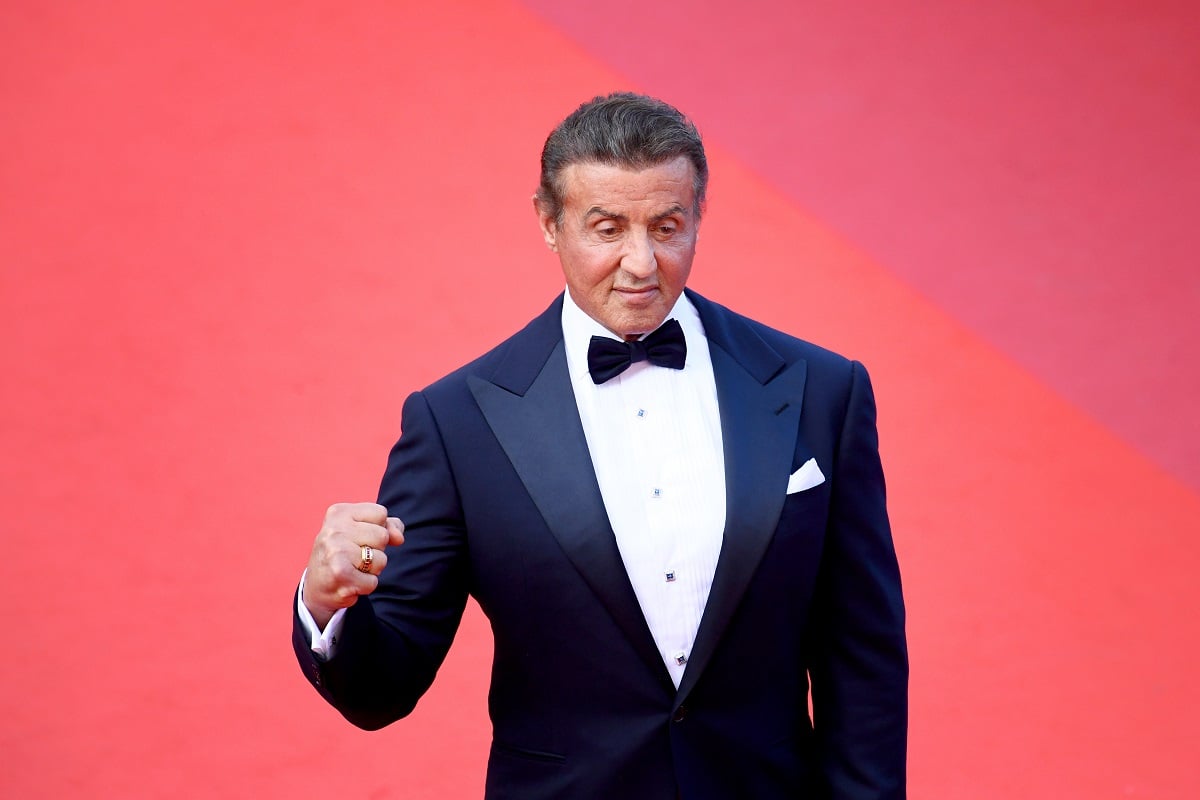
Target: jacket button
[(680, 714)]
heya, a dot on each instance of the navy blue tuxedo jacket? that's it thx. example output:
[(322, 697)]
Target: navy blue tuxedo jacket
[(493, 481)]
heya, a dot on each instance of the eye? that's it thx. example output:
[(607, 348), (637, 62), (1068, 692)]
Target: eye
[(607, 230)]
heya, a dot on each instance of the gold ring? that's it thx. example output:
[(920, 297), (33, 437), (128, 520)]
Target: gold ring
[(367, 557)]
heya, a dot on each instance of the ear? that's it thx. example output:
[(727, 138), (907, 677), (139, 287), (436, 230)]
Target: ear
[(547, 224)]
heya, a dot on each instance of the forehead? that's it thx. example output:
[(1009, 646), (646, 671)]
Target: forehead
[(591, 184)]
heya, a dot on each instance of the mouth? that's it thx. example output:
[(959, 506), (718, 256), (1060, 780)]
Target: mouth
[(638, 297)]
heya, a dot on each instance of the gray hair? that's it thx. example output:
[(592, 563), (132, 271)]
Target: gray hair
[(626, 130)]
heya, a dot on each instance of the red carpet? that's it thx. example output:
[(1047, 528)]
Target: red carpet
[(233, 237)]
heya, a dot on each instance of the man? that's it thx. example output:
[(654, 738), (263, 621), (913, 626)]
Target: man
[(673, 517)]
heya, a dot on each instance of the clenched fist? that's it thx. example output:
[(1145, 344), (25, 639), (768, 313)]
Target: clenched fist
[(348, 556)]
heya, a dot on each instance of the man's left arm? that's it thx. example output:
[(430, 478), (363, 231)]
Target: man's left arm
[(859, 668)]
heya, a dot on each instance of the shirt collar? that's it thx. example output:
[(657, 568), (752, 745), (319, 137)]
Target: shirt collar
[(579, 328)]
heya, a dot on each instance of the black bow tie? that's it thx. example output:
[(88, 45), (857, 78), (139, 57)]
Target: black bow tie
[(608, 358)]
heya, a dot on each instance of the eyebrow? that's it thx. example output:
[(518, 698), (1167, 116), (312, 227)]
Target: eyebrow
[(674, 211), (597, 211)]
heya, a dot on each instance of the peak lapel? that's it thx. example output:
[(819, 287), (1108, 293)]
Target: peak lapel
[(537, 425), (760, 398)]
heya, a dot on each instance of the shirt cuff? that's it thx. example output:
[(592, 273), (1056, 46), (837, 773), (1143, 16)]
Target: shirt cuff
[(322, 642)]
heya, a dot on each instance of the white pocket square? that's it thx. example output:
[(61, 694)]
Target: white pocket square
[(808, 476)]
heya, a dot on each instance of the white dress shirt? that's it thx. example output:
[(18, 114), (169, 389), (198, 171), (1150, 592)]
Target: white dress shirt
[(654, 435)]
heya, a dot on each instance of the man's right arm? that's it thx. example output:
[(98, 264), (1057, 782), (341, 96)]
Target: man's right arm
[(394, 626)]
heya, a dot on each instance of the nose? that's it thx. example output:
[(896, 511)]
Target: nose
[(638, 259)]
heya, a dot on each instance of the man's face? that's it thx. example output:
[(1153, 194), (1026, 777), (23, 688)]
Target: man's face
[(626, 241)]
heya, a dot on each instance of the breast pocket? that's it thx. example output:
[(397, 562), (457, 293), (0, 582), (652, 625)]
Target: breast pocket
[(804, 516)]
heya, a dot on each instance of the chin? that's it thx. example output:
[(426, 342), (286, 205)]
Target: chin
[(626, 321), (636, 326)]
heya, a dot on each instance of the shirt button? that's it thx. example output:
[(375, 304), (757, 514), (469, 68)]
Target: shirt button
[(680, 658), (670, 576), (656, 493)]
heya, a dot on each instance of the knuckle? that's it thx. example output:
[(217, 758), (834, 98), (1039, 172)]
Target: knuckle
[(343, 572), (325, 548)]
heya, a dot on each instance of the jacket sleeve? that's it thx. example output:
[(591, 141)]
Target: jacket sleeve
[(859, 667), (395, 639)]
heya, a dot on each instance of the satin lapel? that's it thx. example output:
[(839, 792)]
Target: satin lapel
[(542, 436), (760, 404)]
